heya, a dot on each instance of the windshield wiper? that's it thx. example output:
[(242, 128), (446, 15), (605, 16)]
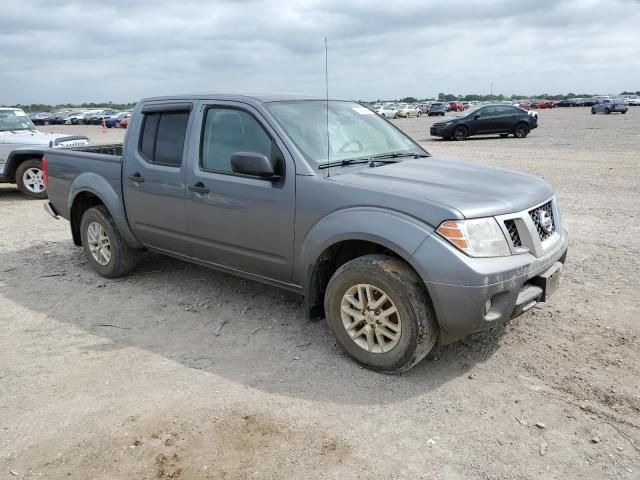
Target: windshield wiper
[(372, 160)]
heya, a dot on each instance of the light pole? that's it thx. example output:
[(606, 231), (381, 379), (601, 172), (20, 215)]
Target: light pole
[(491, 94)]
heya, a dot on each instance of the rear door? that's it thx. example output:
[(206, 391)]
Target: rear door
[(154, 174), (237, 221), (505, 119)]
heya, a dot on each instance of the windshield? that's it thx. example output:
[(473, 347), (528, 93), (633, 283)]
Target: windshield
[(467, 112), (354, 131), (12, 120)]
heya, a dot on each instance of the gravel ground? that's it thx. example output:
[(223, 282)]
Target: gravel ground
[(178, 372)]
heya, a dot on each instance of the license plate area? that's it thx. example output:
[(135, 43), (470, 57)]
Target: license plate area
[(548, 281)]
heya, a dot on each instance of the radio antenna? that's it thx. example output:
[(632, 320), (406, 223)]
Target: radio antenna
[(326, 84)]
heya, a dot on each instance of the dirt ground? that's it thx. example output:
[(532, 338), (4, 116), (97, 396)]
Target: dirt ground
[(178, 372)]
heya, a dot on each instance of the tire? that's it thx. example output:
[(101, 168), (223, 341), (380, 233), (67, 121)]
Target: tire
[(623, 112), (418, 329), (504, 135), (521, 130), (74, 121), (607, 111), (418, 114), (29, 178), (122, 258), (460, 133), (593, 111)]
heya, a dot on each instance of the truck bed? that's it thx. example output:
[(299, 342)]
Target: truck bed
[(65, 166), (111, 149)]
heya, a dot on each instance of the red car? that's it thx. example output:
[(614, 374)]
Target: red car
[(456, 107), (124, 123), (542, 104)]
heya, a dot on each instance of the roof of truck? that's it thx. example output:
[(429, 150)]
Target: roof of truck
[(261, 98)]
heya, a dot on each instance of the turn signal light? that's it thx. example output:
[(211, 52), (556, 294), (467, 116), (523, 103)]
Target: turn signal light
[(452, 232)]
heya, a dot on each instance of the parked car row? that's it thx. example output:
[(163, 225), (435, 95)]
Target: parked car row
[(90, 117)]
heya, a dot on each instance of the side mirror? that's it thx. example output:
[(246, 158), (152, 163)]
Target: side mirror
[(253, 164)]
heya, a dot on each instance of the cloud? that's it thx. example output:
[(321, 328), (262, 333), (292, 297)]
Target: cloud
[(85, 50)]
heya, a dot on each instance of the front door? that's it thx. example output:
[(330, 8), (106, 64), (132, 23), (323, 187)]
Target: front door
[(153, 179), (237, 221), (485, 121)]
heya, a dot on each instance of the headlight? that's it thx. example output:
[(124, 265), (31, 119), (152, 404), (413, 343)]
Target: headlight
[(480, 237)]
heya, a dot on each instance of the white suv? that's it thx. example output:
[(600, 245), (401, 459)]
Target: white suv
[(22, 147)]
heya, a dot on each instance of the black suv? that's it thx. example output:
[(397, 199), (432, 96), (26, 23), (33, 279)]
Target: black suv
[(486, 120)]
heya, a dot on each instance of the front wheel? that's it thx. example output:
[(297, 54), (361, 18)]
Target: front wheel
[(380, 313), (593, 111), (521, 130), (104, 247), (460, 133), (30, 179)]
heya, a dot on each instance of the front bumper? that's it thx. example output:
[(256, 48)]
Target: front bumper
[(436, 131), (460, 286)]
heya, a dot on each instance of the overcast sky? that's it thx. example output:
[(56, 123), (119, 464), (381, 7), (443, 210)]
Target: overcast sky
[(120, 50)]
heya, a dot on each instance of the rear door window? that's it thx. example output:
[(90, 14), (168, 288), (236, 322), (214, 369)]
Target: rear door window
[(162, 137)]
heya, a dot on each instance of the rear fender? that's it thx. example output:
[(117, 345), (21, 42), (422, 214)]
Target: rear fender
[(112, 200)]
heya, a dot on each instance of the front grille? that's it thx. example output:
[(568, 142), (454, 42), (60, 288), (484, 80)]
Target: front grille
[(513, 233), (541, 217)]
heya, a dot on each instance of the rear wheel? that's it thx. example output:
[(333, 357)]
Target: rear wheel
[(380, 313), (460, 133), (30, 179), (104, 247), (521, 130)]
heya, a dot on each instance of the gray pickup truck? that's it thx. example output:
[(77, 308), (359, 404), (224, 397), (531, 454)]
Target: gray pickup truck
[(398, 249)]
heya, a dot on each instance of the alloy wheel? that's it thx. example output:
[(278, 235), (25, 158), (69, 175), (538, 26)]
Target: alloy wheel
[(370, 318), (99, 244), (33, 180)]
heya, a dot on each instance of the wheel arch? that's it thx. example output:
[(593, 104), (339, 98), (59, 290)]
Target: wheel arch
[(19, 156), (88, 190), (326, 248)]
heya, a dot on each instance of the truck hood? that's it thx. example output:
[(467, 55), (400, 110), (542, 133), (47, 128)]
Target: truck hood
[(472, 189), (34, 137)]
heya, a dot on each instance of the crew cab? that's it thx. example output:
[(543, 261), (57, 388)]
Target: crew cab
[(21, 150), (396, 248)]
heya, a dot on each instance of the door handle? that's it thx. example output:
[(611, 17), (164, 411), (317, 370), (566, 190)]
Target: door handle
[(136, 178), (199, 188)]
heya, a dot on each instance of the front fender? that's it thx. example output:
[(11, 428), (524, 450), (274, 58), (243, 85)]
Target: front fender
[(393, 230), (112, 200), (17, 156)]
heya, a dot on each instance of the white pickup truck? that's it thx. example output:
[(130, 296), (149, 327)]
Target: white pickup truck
[(22, 148)]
